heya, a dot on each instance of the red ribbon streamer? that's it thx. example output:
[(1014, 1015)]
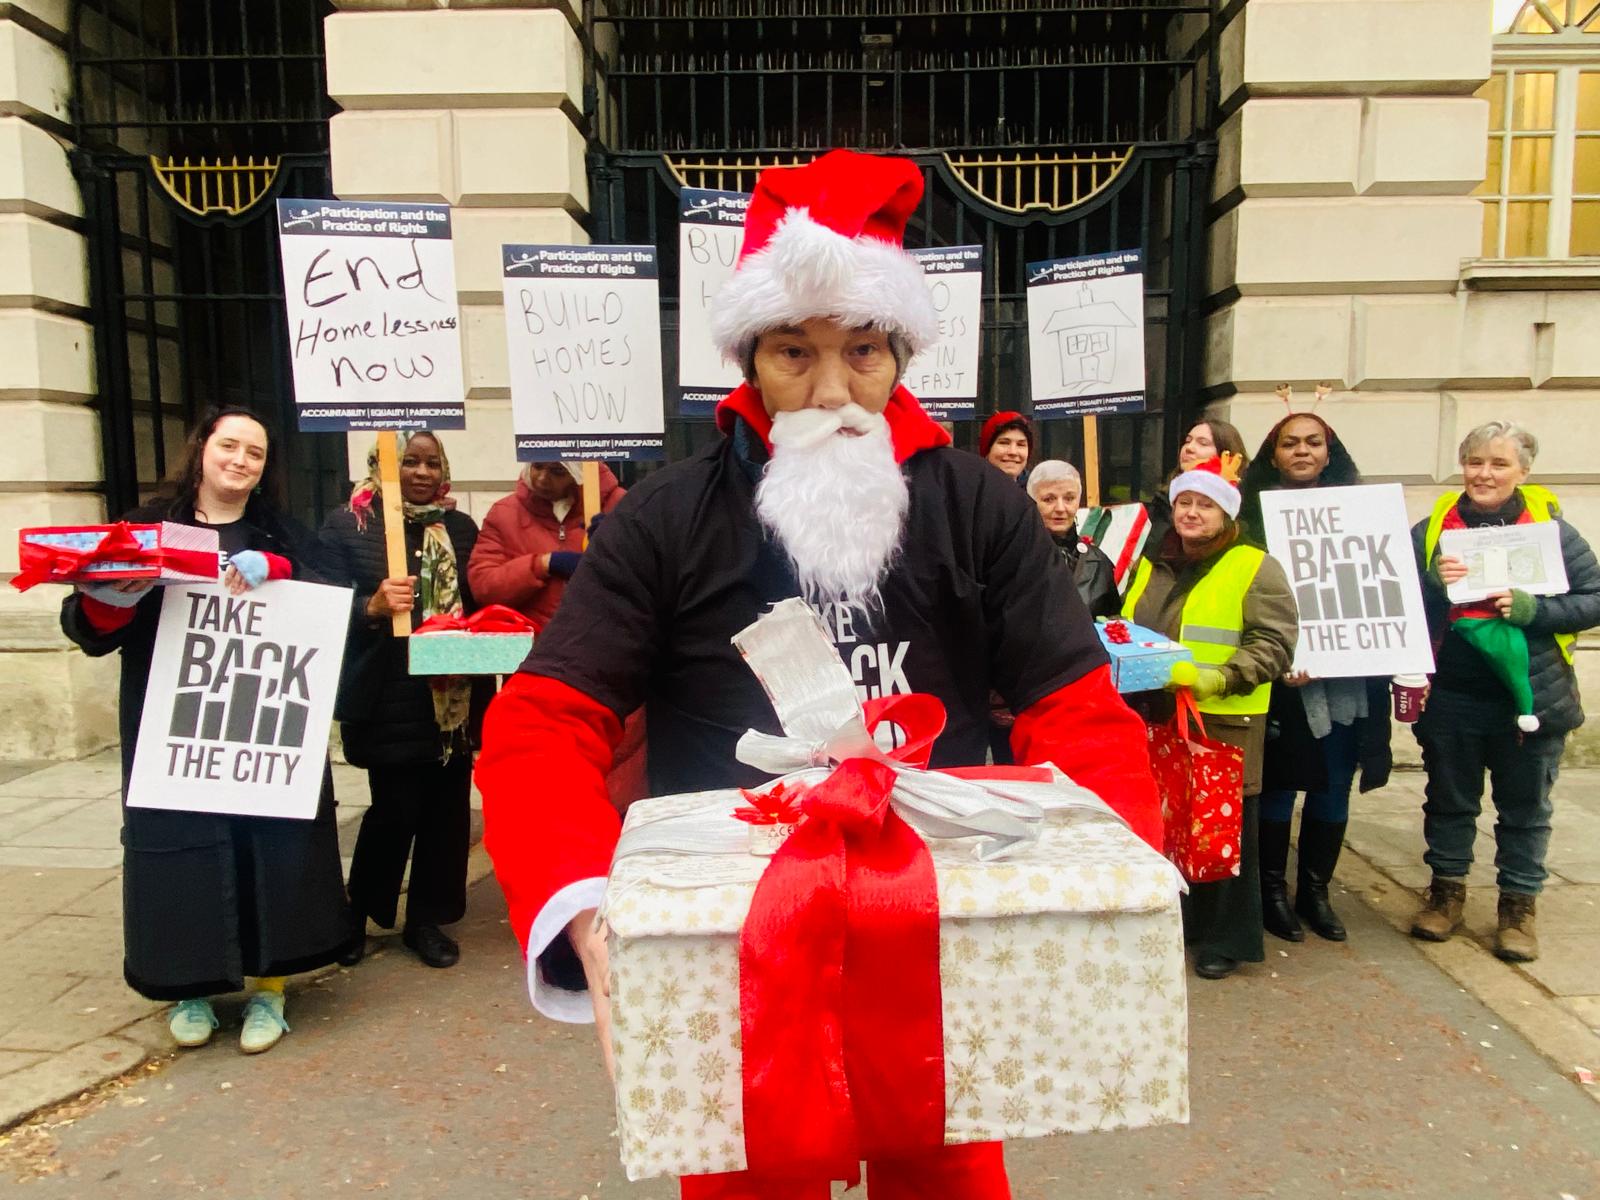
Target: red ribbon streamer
[(840, 1009), (494, 618), (61, 564)]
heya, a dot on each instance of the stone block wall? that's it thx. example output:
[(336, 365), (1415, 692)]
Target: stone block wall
[(476, 105)]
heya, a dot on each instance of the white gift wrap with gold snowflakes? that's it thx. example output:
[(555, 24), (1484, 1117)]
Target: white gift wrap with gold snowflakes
[(1061, 968)]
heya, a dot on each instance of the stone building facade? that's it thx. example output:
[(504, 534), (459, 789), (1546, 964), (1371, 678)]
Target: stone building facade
[(1397, 207)]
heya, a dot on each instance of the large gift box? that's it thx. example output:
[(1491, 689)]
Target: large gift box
[(1141, 659), (164, 552), (1037, 989), (492, 641)]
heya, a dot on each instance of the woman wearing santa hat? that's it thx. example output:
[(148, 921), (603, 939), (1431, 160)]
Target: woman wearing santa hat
[(1006, 440), (1229, 603), (933, 574)]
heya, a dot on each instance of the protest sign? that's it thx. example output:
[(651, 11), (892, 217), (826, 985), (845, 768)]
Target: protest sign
[(710, 232), (1502, 557), (240, 697), (1086, 335), (374, 324), (1347, 552), (944, 377), (583, 336)]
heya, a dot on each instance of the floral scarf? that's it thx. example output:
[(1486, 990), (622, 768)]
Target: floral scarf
[(438, 578)]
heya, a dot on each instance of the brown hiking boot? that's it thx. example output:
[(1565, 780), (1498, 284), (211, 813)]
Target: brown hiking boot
[(1440, 915), (1515, 940)]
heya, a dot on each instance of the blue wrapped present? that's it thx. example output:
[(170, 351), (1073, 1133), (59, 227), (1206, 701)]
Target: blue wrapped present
[(456, 652), (1141, 659)]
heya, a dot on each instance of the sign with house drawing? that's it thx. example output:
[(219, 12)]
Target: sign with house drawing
[(710, 232), (1086, 335)]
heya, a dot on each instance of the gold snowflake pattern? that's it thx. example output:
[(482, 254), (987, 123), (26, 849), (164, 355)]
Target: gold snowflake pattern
[(702, 1026), (710, 1067), (1009, 1072)]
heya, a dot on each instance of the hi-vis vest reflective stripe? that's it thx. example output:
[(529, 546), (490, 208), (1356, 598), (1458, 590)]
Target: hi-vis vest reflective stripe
[(1213, 621), (1542, 506)]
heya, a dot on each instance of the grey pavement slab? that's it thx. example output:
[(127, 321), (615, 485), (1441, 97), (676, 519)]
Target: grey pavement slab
[(1330, 1071)]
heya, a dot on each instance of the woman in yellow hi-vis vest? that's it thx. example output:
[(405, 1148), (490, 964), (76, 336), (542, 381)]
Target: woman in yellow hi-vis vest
[(1504, 693), (1230, 604)]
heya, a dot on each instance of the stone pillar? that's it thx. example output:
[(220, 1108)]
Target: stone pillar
[(57, 702), (473, 104)]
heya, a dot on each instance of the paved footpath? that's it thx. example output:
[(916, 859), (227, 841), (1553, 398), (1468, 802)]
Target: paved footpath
[(1376, 1068)]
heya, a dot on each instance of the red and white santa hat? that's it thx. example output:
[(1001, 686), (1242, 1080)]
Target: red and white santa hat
[(827, 240), (1216, 478)]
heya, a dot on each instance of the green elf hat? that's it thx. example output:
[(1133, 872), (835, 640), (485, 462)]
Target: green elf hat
[(1504, 647)]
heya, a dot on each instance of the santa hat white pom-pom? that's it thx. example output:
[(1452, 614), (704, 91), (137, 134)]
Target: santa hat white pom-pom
[(1528, 723)]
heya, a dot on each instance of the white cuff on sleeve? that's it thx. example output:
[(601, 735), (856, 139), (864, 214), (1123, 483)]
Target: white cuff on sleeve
[(557, 1003)]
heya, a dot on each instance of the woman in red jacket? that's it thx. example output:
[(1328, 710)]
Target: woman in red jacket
[(528, 548)]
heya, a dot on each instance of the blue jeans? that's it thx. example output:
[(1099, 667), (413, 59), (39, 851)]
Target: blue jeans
[(1341, 752)]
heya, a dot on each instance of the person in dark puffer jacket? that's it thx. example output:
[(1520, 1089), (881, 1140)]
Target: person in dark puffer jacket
[(1474, 720), (412, 733)]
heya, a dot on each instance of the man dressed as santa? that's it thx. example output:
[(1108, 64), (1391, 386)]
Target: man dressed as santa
[(929, 567)]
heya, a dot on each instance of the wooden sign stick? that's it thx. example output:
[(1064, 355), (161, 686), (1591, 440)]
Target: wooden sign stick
[(394, 519), (1091, 462), (591, 497)]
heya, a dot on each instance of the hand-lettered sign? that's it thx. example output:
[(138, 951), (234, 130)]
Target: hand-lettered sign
[(240, 698), (944, 377), (374, 323), (1086, 335), (583, 340), (710, 232)]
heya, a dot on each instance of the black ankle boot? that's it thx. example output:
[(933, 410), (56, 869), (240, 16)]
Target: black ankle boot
[(1320, 843), (1276, 916)]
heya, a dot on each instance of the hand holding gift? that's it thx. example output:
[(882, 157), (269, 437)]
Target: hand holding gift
[(1204, 682), (588, 937)]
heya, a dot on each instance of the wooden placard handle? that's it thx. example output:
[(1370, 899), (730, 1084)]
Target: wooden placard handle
[(591, 498), (1091, 462), (394, 519)]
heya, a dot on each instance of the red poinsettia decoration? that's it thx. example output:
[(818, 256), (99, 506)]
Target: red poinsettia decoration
[(1117, 633), (780, 806)]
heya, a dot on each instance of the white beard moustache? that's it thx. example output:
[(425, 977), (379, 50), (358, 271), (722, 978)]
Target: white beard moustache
[(835, 501)]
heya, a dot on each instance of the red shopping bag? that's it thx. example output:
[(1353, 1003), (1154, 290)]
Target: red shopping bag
[(1201, 784)]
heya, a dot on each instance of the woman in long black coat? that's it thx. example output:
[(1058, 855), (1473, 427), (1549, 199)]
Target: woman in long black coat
[(412, 733), (209, 900)]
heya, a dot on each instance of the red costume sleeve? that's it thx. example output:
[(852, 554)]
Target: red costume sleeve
[(105, 618), (547, 820), (1087, 730), (278, 567)]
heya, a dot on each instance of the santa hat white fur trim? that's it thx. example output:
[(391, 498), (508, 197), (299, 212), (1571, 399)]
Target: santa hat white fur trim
[(808, 270), (1209, 484)]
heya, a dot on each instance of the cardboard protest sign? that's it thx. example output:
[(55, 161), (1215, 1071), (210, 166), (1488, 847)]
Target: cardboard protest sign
[(944, 377), (583, 335), (1086, 335), (1347, 552), (1502, 557), (240, 698), (710, 232), (374, 324)]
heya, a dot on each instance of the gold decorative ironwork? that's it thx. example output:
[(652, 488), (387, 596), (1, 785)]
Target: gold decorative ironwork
[(1022, 181), (206, 188), (729, 172)]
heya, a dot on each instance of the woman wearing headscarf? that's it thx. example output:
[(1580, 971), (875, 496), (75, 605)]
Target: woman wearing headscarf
[(412, 733), (1321, 732), (1230, 604), (211, 900)]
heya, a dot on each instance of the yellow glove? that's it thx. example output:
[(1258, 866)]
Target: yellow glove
[(1205, 682)]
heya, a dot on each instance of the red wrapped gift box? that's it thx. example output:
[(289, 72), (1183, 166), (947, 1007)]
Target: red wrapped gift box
[(166, 552)]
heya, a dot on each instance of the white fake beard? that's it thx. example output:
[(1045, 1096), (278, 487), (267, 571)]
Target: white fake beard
[(836, 501)]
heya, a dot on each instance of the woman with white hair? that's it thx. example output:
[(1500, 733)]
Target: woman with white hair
[(1504, 695), (1057, 488)]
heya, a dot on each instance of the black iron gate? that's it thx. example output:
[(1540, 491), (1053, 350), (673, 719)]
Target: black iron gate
[(1044, 130), (191, 116)]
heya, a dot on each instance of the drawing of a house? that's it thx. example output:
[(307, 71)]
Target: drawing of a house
[(1086, 341)]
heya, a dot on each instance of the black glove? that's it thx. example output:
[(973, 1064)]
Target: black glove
[(594, 524), (564, 562)]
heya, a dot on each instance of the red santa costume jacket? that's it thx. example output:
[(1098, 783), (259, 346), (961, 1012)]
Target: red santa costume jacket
[(978, 598)]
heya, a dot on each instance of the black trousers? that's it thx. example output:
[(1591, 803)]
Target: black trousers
[(420, 811), (1225, 917)]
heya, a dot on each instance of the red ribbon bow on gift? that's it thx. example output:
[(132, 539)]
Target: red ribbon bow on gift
[(1117, 633), (842, 1031), (780, 806), (494, 618), (41, 563)]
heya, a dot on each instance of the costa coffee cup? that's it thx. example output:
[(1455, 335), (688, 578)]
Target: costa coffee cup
[(1408, 693)]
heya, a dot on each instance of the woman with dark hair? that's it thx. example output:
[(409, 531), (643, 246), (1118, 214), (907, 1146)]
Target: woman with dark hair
[(1321, 732), (413, 733), (208, 899), (1203, 439), (1230, 605)]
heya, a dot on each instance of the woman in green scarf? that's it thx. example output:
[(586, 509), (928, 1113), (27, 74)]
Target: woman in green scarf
[(413, 734)]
